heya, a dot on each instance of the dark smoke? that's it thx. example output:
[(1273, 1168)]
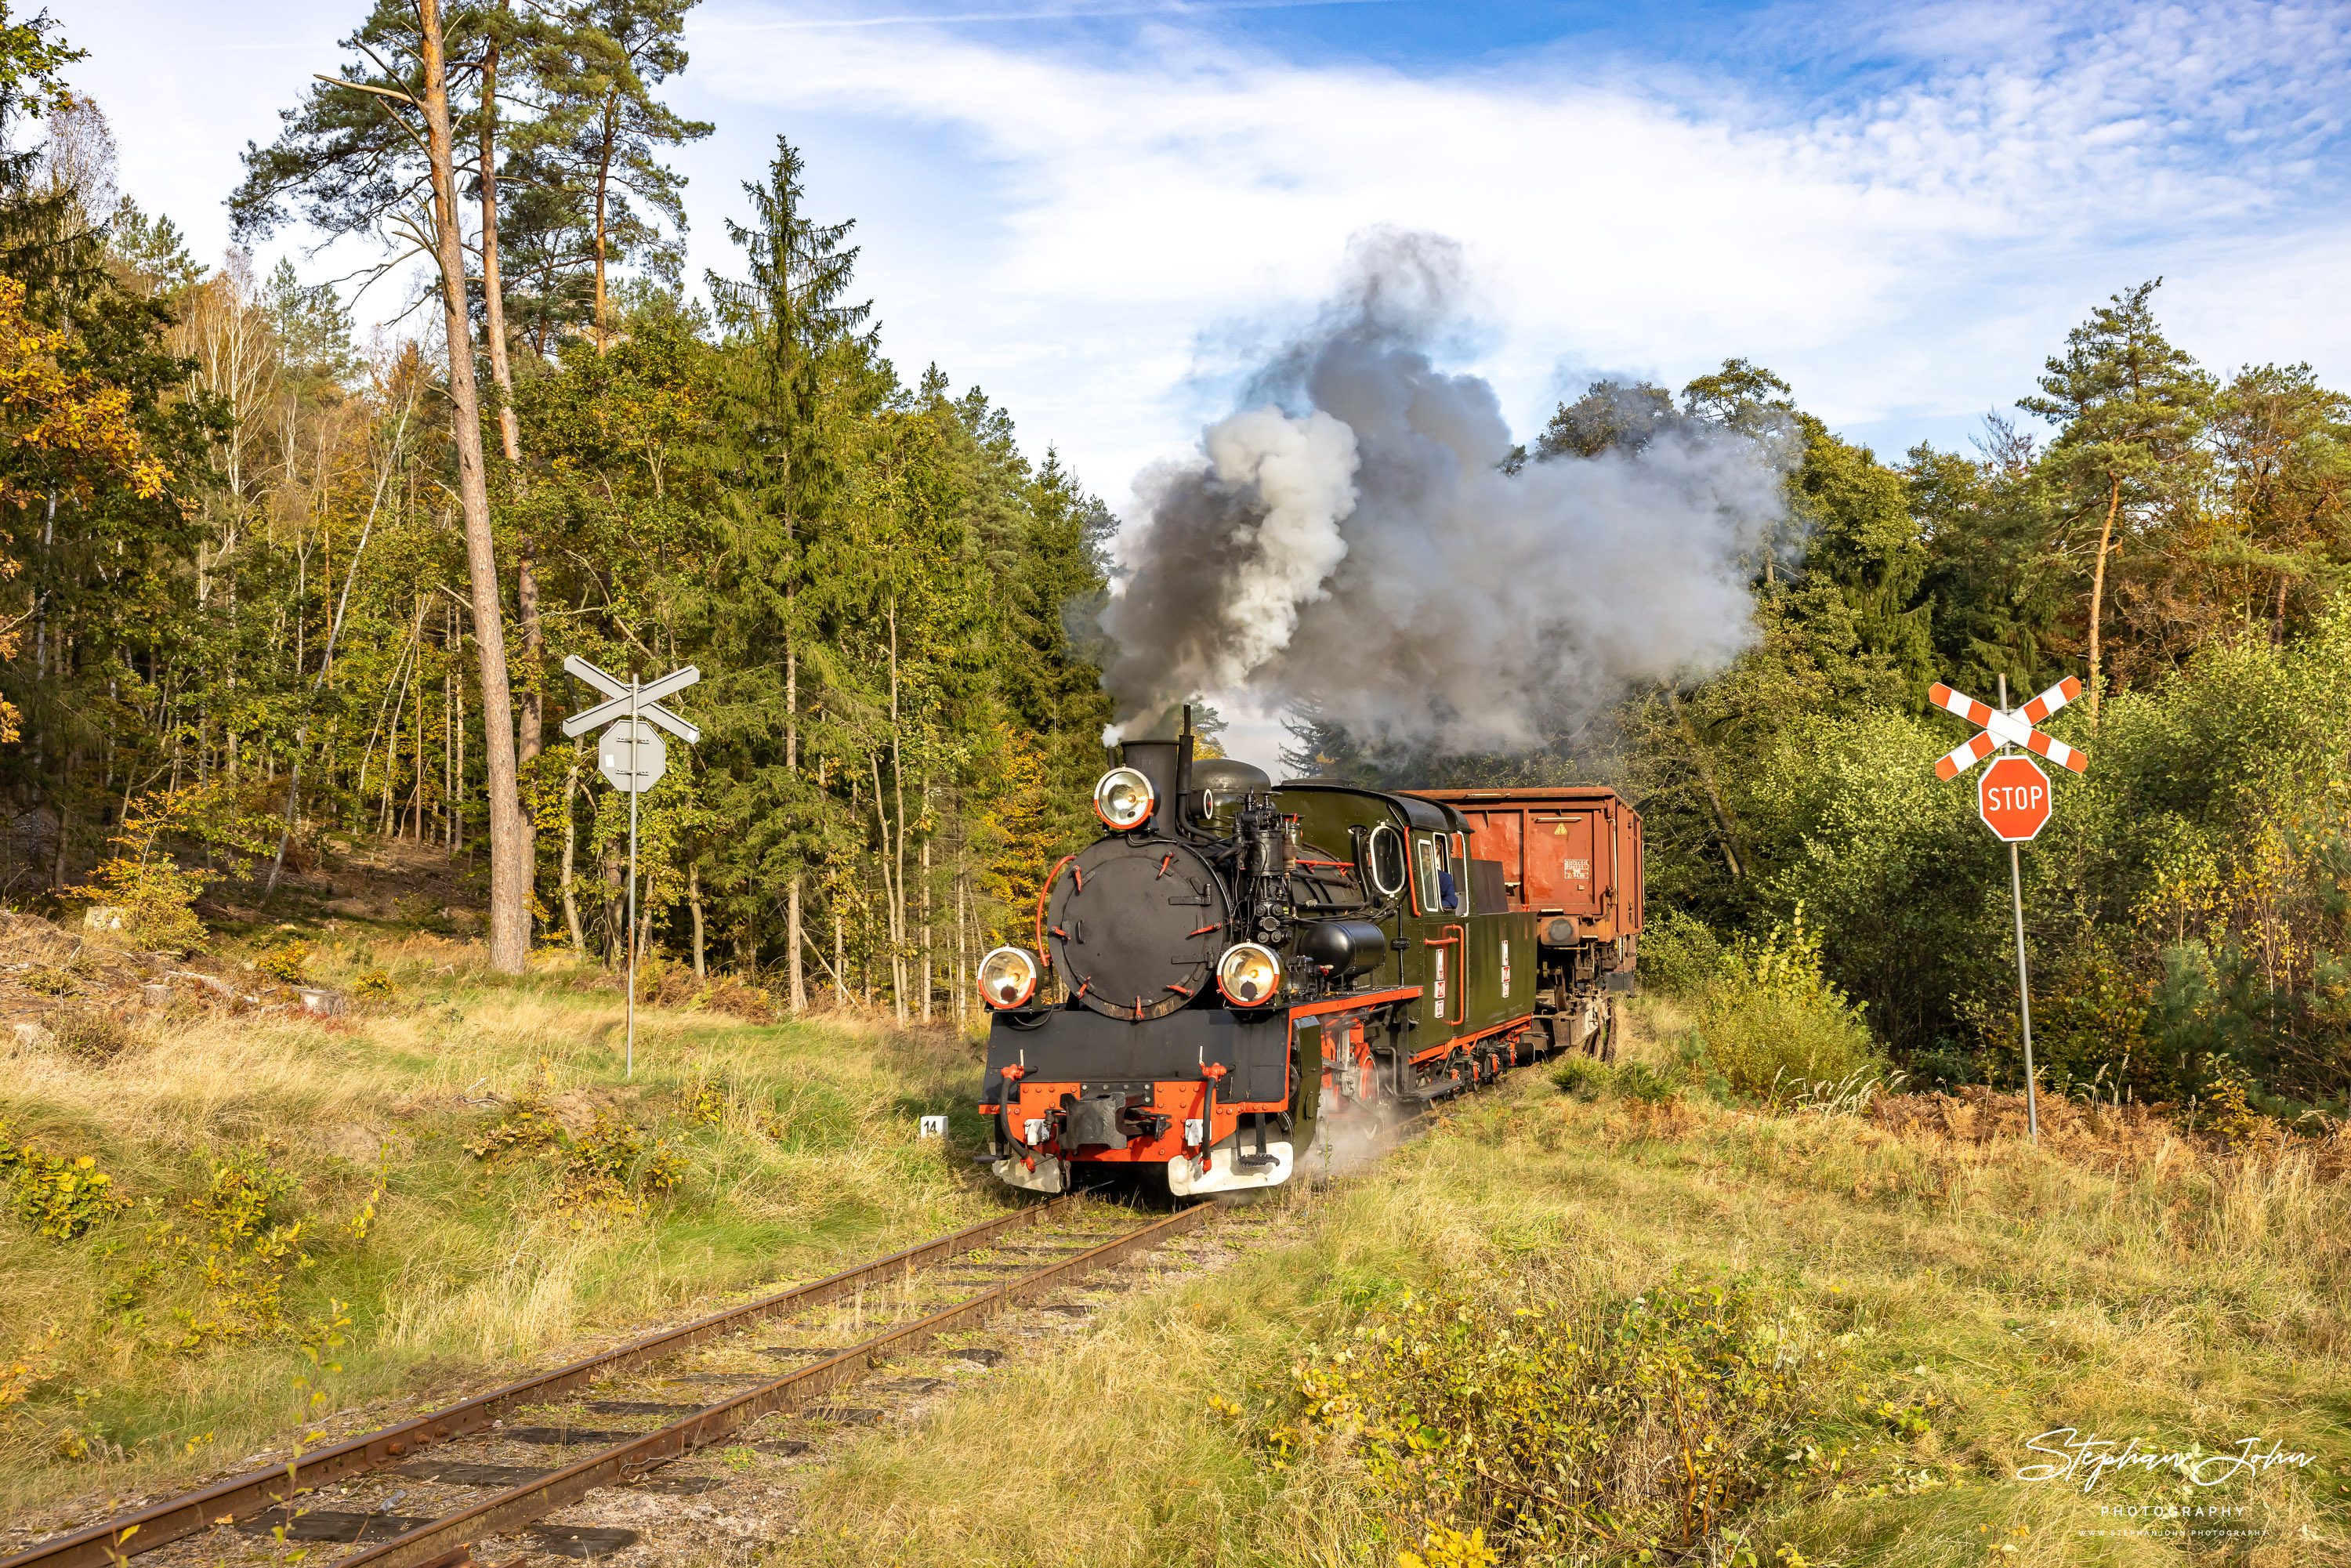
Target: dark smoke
[(1352, 542)]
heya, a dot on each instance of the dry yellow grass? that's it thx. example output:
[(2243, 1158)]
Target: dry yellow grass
[(467, 1266)]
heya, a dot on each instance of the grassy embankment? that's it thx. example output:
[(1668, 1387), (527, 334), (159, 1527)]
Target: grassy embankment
[(276, 1166), (1802, 1335)]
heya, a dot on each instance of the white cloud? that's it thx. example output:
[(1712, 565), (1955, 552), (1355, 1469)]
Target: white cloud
[(1901, 210), (1908, 248)]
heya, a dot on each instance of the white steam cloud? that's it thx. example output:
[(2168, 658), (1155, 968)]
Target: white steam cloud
[(1363, 552)]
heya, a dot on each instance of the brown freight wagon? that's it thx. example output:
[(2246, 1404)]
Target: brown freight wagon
[(1571, 856)]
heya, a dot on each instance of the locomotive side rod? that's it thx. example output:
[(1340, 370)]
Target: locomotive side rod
[(238, 1496), (537, 1499)]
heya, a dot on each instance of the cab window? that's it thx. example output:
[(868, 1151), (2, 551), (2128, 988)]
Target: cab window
[(1440, 886), (1425, 883)]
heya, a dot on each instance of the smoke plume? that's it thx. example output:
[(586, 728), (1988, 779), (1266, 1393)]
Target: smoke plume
[(1350, 540)]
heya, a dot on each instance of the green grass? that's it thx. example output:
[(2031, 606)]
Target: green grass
[(1970, 1297), (798, 1148)]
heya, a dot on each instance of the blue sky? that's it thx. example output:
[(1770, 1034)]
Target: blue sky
[(1094, 210)]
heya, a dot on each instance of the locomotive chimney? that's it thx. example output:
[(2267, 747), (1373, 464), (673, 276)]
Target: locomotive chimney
[(1184, 757)]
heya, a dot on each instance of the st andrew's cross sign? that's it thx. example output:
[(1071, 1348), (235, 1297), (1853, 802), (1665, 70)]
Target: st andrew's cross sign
[(2002, 728), (632, 756), (2013, 800)]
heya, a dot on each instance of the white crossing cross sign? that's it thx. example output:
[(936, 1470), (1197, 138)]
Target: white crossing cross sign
[(632, 756), (2007, 727), (643, 702)]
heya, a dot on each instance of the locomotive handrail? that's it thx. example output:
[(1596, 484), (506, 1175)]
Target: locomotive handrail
[(1045, 953)]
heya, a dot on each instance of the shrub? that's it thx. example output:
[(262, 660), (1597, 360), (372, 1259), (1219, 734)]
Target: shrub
[(1679, 953), (156, 898), (286, 963), (374, 985), (223, 1264), (613, 1168), (422, 912), (57, 1198), (1533, 1428), (610, 1171), (1583, 1077), (1773, 1025), (44, 981)]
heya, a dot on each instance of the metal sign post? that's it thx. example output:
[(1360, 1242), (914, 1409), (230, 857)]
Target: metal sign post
[(631, 756), (2013, 800)]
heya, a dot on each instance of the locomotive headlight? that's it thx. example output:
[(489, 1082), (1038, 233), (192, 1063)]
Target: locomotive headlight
[(1249, 974), (1007, 978), (1123, 800)]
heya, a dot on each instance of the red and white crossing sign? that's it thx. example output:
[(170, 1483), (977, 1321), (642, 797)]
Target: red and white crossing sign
[(2009, 727), (2012, 798)]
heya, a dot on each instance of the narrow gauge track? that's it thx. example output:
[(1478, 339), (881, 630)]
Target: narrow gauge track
[(274, 1492)]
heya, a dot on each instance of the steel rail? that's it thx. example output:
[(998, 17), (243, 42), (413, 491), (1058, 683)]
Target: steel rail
[(128, 1534), (536, 1499)]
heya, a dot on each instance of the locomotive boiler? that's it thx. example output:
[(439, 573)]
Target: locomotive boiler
[(1235, 969)]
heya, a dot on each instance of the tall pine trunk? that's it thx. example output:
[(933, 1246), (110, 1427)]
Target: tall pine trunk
[(2098, 585), (898, 843), (494, 303), (509, 845), (926, 899)]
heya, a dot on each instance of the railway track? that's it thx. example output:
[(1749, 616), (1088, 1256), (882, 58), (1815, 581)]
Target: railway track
[(1025, 1255)]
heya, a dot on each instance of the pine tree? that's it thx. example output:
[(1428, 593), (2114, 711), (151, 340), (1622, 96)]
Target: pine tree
[(809, 373), (377, 155), (2129, 406), (600, 131)]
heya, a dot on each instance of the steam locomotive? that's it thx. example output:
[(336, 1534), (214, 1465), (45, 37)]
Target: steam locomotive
[(1235, 970)]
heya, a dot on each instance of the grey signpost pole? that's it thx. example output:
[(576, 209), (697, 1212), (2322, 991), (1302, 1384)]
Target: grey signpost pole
[(629, 1071), (634, 760), (2023, 985)]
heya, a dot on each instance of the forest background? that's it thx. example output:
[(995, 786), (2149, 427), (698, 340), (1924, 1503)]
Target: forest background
[(263, 584)]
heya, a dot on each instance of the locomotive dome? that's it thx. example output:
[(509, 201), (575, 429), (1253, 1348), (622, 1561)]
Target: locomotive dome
[(1229, 777)]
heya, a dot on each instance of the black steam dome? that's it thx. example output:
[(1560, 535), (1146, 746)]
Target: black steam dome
[(1231, 778)]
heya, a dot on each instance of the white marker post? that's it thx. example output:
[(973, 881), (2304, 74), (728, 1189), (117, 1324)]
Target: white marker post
[(2015, 801), (633, 758)]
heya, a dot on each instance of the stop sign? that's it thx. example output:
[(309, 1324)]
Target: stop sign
[(2012, 797)]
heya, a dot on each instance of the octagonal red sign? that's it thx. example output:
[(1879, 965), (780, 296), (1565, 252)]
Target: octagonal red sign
[(2012, 798)]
